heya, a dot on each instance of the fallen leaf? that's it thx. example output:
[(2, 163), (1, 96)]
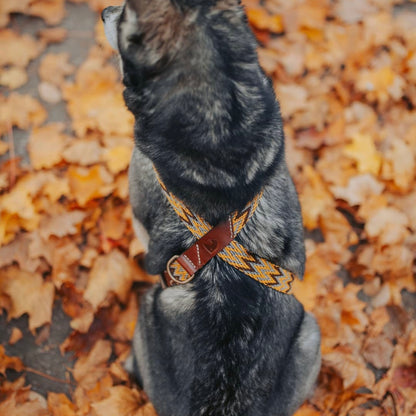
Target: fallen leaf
[(111, 273), (89, 369), (88, 184), (121, 401), (83, 152), (28, 294), (28, 403), (18, 50), (60, 405), (358, 189), (364, 152), (52, 11), (13, 77), (118, 158), (21, 111), (46, 145), (54, 68), (262, 20), (15, 336), (7, 362), (95, 101), (61, 225), (378, 351)]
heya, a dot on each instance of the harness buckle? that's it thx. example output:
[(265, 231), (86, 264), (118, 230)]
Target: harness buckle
[(175, 279)]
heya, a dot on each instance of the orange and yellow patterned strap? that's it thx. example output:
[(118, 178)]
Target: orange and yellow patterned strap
[(258, 268)]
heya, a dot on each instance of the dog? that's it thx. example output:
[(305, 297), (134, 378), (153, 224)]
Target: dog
[(208, 123)]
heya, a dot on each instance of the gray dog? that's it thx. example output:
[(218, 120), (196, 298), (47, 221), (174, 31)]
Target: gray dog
[(207, 120)]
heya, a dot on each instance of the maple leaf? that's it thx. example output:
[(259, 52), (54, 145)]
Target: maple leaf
[(123, 401), (18, 50), (21, 111), (46, 144), (13, 77), (60, 405), (55, 67), (111, 273), (95, 100), (28, 294), (88, 184), (7, 362), (24, 403), (89, 369), (364, 152)]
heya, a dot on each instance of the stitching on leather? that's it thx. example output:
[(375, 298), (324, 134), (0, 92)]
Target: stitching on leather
[(190, 261)]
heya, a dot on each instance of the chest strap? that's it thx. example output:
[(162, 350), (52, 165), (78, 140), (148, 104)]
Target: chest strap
[(219, 240)]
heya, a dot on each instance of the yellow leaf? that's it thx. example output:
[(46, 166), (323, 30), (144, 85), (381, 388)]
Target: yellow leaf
[(118, 158), (365, 154)]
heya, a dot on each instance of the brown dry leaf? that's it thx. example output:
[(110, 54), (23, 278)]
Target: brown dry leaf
[(95, 100), (60, 405), (314, 198), (17, 208), (18, 251), (83, 152), (380, 84), (7, 7), (21, 111), (350, 366), (112, 225), (7, 362), (293, 98), (52, 11), (24, 403), (18, 50), (111, 273), (89, 369), (61, 225), (388, 225), (123, 330), (378, 351), (28, 294), (359, 189), (54, 68), (336, 228), (64, 256), (399, 165), (353, 11), (122, 401), (87, 184), (46, 145), (56, 188), (15, 336), (13, 77)]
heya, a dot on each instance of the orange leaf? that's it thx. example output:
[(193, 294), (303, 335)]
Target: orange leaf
[(46, 145), (87, 184), (262, 20)]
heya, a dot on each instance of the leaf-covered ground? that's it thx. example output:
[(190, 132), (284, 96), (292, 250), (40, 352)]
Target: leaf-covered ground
[(345, 74)]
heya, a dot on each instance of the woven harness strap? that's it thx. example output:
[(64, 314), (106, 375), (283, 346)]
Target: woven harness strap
[(179, 271)]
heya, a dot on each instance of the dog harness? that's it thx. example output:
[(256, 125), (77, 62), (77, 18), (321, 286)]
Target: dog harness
[(219, 240)]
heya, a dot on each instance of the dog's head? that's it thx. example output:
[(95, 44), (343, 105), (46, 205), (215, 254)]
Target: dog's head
[(148, 34)]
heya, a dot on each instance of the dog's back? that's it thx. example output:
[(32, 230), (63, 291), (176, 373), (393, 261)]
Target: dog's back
[(208, 121)]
